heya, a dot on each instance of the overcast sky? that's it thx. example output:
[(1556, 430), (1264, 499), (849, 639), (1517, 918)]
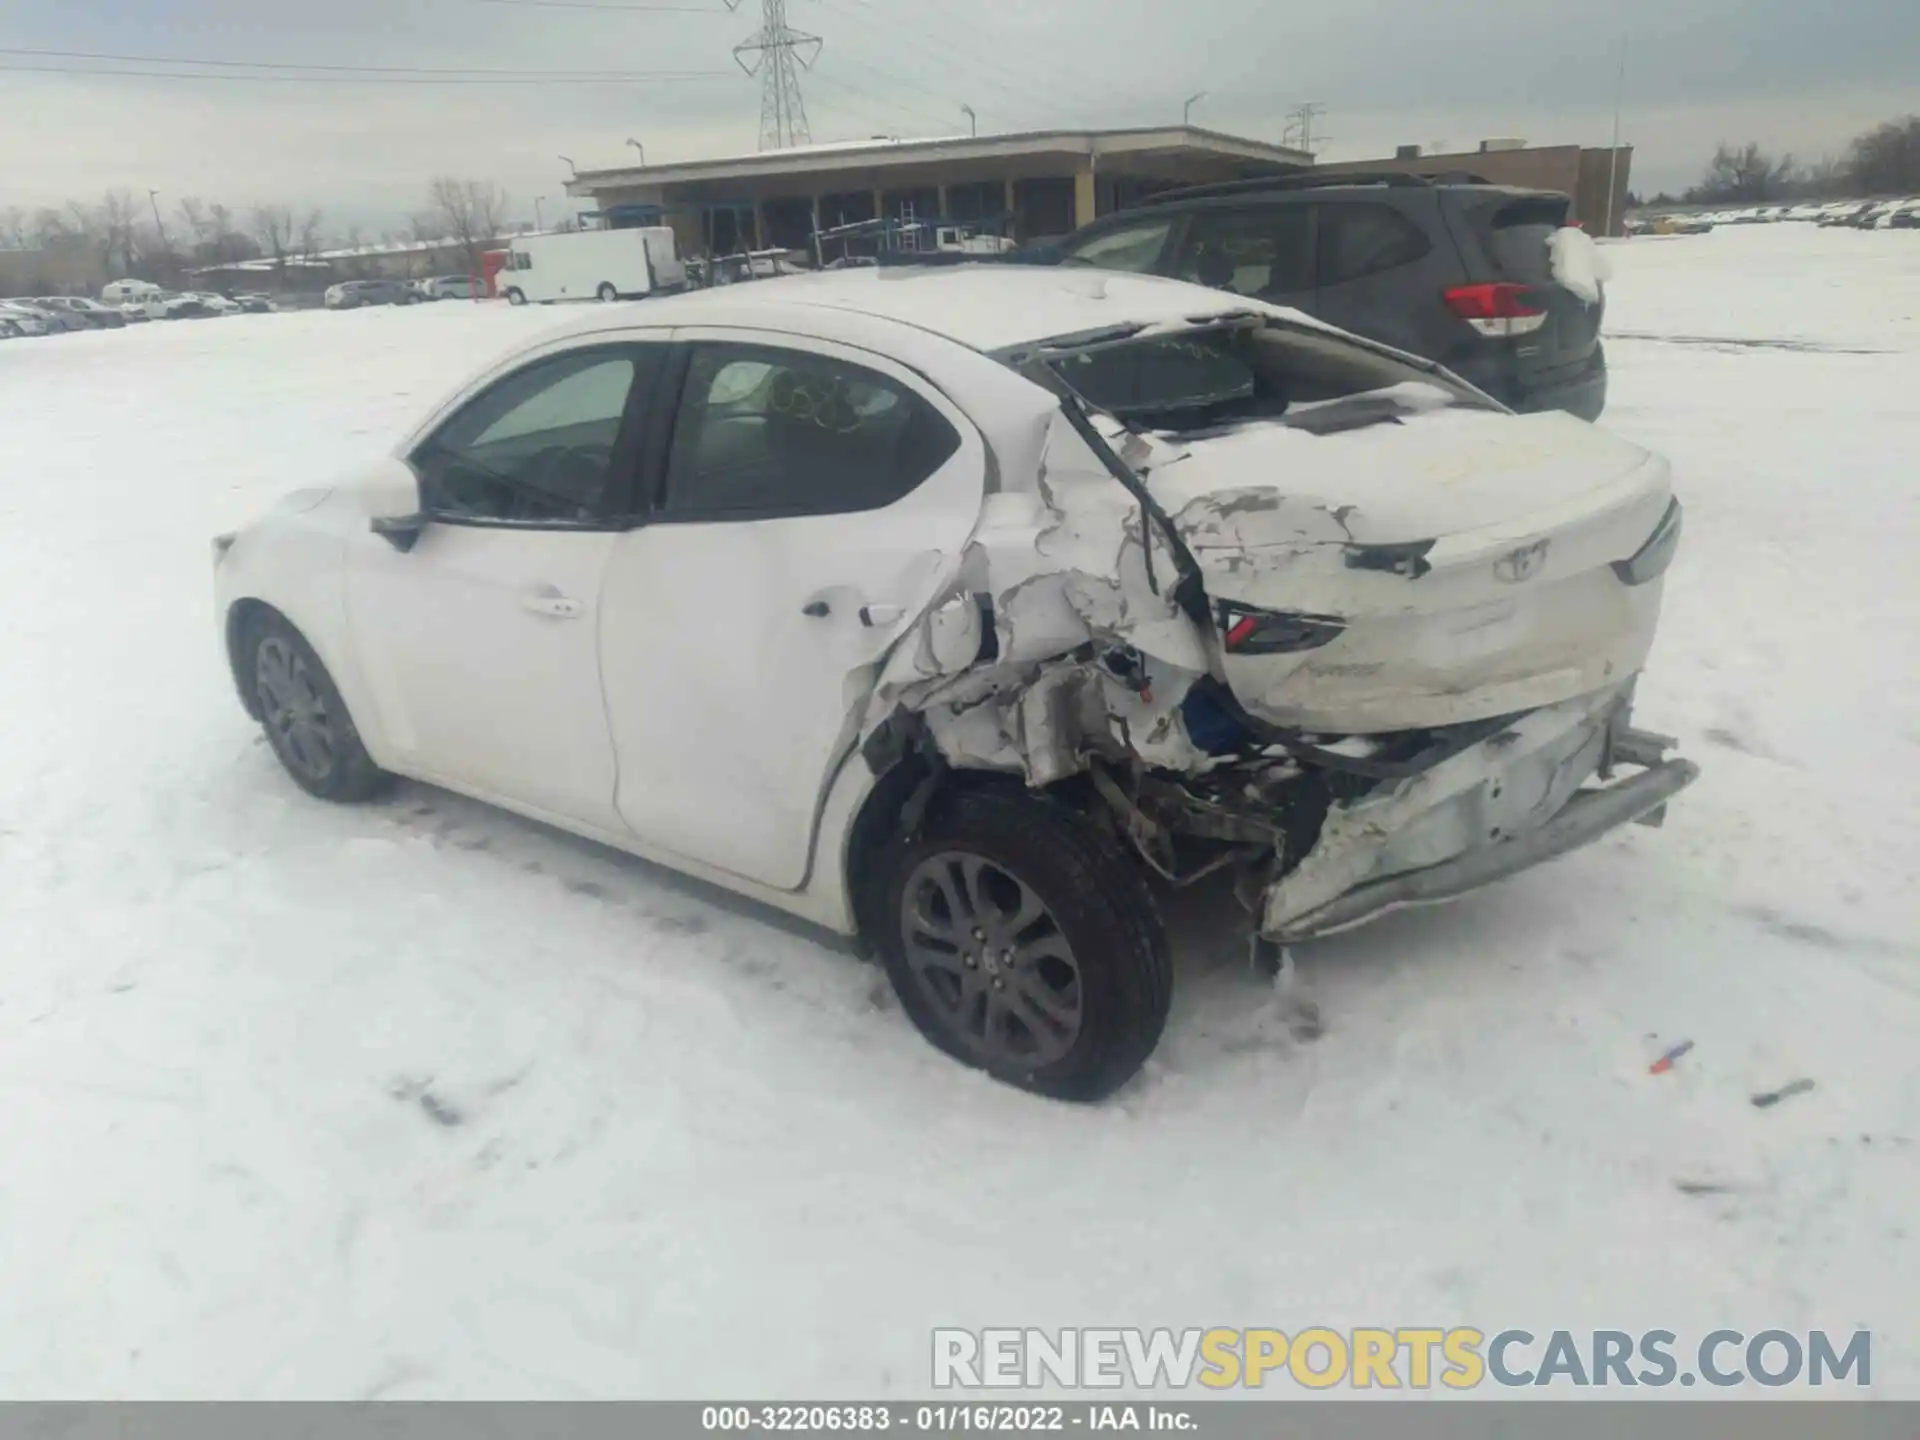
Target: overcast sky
[(1795, 75)]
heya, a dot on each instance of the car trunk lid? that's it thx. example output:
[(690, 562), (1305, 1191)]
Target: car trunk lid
[(1432, 569)]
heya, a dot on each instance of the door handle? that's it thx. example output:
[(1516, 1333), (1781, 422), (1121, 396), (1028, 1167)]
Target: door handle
[(552, 603), (876, 616)]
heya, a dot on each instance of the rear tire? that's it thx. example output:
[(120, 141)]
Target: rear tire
[(515, 296), (1022, 941), (606, 292), (305, 720)]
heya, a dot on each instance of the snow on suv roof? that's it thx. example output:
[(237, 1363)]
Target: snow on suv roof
[(986, 307)]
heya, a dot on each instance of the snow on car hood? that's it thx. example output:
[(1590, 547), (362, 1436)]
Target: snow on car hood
[(1432, 474)]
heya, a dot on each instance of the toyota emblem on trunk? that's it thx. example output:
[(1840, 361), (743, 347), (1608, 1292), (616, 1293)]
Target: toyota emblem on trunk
[(1521, 564)]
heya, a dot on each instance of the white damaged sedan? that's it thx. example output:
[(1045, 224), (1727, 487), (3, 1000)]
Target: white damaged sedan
[(941, 606)]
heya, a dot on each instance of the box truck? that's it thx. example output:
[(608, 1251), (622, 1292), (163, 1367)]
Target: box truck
[(591, 265)]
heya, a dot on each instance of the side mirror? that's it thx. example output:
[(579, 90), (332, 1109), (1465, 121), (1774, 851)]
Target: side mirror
[(391, 494), (400, 531)]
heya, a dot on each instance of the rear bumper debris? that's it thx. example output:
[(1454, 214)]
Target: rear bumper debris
[(1511, 802)]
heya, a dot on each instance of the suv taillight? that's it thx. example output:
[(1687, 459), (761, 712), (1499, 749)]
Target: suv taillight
[(1497, 309)]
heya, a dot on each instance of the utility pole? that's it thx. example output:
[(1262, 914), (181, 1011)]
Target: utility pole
[(778, 54), (1299, 131), (539, 223)]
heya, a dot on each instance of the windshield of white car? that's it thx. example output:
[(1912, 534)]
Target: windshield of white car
[(1238, 371)]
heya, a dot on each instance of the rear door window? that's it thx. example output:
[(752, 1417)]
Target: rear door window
[(764, 431), (1364, 238), (1264, 251)]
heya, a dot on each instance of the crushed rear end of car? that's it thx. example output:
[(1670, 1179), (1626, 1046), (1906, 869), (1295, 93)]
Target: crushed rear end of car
[(1305, 610)]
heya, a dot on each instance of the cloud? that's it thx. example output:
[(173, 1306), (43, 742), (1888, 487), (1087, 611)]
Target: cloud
[(1793, 76)]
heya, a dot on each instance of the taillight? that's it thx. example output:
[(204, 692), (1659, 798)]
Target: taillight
[(1496, 309), (1247, 631)]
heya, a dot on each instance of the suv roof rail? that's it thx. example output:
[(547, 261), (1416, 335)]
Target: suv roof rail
[(1312, 180)]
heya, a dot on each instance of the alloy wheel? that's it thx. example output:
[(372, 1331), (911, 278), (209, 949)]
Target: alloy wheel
[(991, 960), (296, 713)]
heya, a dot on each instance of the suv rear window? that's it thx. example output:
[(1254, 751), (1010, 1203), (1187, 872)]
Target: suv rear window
[(1517, 234)]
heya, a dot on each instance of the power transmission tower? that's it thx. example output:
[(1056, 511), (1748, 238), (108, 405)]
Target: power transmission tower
[(1299, 131), (777, 54)]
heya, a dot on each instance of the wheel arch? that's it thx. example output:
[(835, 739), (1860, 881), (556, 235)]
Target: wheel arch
[(891, 814), (243, 616)]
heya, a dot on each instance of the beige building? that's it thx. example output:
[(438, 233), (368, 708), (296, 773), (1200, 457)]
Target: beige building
[(1043, 183)]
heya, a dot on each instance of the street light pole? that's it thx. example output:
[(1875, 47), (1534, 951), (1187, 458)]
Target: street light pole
[(572, 168), (1613, 158), (641, 148), (153, 199), (539, 223), (1186, 111), (973, 120)]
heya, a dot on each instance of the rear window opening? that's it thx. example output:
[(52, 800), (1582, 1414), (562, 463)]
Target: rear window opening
[(1517, 233), (1214, 379)]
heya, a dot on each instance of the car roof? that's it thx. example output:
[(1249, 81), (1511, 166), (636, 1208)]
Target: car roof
[(984, 307)]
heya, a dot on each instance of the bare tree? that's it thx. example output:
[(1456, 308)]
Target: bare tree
[(1743, 172), (195, 216), (310, 233), (470, 212), (273, 227), (13, 228), (1886, 160), (117, 220)]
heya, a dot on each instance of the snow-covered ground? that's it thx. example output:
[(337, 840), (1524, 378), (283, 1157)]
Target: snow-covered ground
[(421, 1100)]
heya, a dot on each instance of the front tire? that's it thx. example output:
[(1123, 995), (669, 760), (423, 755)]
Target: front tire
[(1021, 941), (607, 293), (305, 720), (515, 296)]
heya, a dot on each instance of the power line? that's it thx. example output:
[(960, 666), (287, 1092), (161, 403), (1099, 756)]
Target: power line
[(989, 67), (405, 70), (610, 9), (627, 78)]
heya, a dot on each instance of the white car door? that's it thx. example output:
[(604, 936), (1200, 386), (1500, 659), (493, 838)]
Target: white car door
[(481, 640), (816, 498)]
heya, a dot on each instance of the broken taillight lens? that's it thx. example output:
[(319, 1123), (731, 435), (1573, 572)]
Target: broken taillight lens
[(1496, 309), (1246, 631)]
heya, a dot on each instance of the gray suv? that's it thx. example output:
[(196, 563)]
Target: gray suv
[(1453, 269), (351, 294)]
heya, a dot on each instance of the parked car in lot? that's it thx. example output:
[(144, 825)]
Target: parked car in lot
[(1467, 274), (56, 321), (253, 303), (352, 294), (943, 609), (184, 305), (17, 321), (446, 287), (90, 313)]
